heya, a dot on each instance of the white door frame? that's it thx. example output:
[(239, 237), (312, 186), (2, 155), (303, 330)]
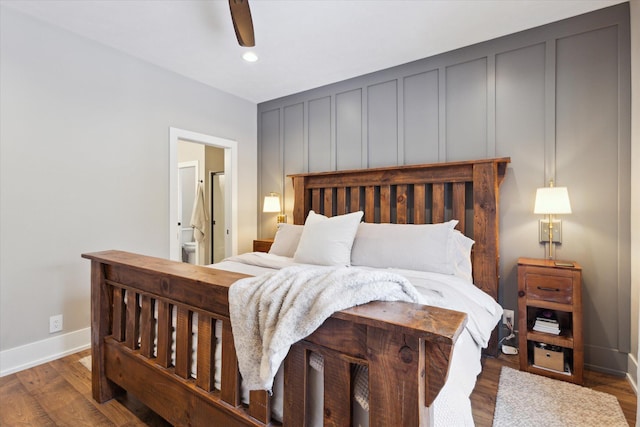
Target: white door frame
[(230, 193)]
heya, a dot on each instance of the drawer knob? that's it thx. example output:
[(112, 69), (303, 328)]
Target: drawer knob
[(521, 294), (543, 288)]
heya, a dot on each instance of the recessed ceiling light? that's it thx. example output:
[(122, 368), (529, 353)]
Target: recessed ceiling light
[(250, 56)]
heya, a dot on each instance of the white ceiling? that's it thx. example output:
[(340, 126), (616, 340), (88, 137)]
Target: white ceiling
[(301, 44)]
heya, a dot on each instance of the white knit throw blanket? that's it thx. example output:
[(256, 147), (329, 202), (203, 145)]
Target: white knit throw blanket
[(271, 312)]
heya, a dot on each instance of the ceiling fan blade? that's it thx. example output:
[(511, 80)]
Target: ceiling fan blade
[(242, 23)]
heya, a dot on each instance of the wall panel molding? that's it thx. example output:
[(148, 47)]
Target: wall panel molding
[(540, 96)]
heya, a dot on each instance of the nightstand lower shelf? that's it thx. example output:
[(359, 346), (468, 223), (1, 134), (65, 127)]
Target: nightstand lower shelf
[(565, 339)]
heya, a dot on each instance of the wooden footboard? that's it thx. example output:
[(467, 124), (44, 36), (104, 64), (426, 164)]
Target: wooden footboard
[(407, 348)]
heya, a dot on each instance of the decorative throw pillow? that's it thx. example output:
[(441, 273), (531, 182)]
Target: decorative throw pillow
[(421, 247), (327, 241), (286, 240)]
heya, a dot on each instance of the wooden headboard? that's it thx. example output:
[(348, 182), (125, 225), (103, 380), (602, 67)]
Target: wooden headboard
[(418, 194)]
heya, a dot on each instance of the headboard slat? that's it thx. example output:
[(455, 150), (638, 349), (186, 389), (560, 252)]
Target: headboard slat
[(369, 204), (328, 202), (401, 204), (437, 203), (315, 200), (459, 205), (341, 201), (419, 206), (354, 197), (385, 204)]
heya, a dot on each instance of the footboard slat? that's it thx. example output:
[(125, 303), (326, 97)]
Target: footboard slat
[(295, 386), (163, 352), (119, 314), (260, 406), (230, 381), (133, 320), (337, 392), (183, 342), (206, 351), (147, 326)]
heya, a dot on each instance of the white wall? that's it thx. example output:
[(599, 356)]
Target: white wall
[(84, 164), (635, 193)]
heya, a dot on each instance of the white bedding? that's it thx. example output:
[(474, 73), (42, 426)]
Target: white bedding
[(271, 312), (452, 406)]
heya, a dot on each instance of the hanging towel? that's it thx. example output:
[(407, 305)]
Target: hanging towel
[(199, 215)]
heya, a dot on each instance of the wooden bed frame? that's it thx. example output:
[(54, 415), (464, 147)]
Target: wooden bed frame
[(406, 346)]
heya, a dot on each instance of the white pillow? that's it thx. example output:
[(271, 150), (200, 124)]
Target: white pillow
[(421, 247), (286, 240), (327, 241), (462, 256)]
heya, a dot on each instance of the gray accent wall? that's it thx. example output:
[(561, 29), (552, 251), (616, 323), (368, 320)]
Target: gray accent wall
[(556, 99)]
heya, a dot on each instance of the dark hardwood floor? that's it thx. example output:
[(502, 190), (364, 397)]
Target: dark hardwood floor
[(58, 393)]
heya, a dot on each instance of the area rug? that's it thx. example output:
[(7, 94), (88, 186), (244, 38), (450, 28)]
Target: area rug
[(526, 399), (86, 362)]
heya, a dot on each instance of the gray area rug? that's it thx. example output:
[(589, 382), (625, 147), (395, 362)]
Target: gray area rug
[(526, 399)]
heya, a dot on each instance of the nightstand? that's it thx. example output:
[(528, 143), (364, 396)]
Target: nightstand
[(262, 245), (550, 299)]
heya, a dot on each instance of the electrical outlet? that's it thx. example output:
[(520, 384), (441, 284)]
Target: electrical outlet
[(508, 317), (55, 323)]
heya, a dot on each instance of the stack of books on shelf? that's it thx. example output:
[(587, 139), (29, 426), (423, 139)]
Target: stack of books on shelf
[(547, 322)]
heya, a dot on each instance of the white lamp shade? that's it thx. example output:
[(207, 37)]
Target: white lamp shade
[(552, 201), (271, 204)]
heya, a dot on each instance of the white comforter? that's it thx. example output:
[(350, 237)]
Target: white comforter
[(452, 407)]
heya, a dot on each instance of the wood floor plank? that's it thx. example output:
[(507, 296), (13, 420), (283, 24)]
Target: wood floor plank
[(18, 407), (61, 401), (58, 393), (79, 378)]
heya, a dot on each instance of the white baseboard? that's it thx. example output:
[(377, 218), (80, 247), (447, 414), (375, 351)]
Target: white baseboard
[(33, 354), (632, 372)]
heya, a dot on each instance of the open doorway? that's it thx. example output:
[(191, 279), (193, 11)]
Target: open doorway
[(187, 192), (227, 195)]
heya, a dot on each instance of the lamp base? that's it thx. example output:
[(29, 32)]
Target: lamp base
[(281, 218)]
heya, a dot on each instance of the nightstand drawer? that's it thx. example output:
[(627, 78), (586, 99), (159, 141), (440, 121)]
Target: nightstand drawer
[(549, 288)]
